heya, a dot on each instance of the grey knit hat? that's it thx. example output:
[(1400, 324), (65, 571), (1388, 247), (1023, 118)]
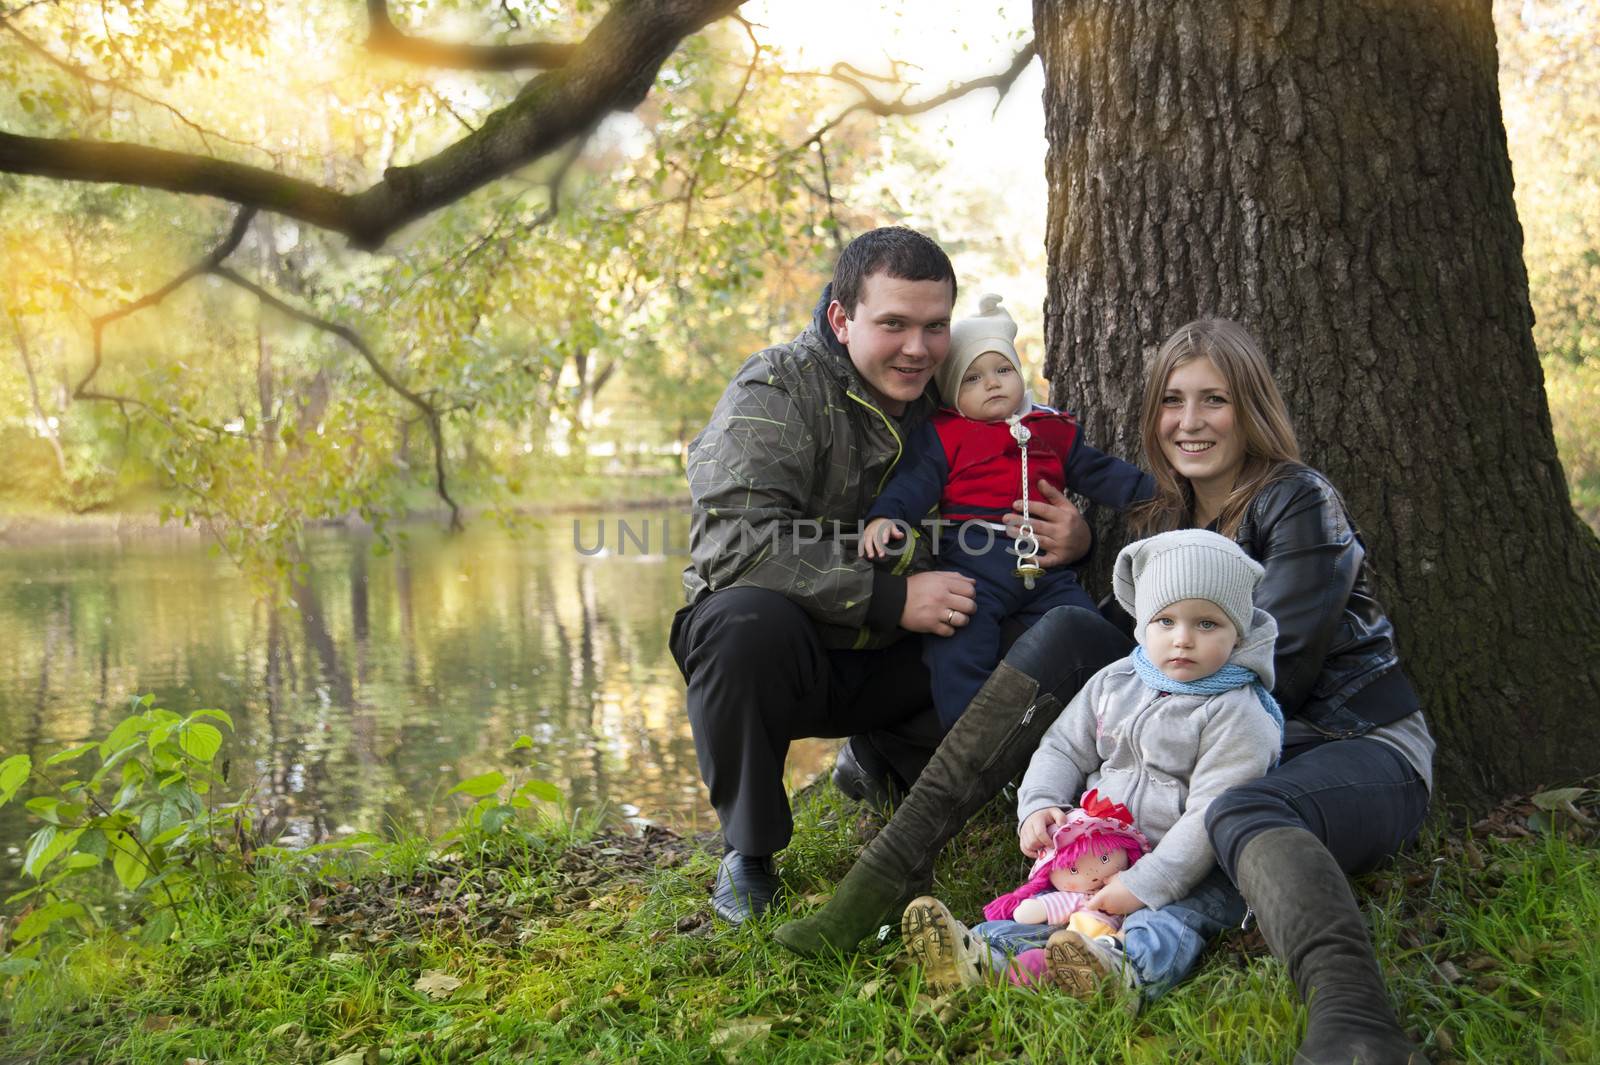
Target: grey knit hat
[(991, 329), (1151, 575)]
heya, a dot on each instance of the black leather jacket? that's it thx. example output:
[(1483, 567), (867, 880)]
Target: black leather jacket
[(1333, 636)]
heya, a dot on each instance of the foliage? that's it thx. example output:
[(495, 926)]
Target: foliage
[(1550, 89), (658, 256), (147, 810), (603, 949), (498, 800)]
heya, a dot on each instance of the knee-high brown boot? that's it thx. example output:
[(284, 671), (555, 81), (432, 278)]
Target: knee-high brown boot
[(1310, 920), (990, 744)]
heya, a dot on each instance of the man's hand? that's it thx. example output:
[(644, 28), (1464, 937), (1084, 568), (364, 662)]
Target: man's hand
[(876, 536), (1038, 829), (939, 602), (1114, 898), (1063, 534)]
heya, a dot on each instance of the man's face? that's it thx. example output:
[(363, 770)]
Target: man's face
[(898, 336)]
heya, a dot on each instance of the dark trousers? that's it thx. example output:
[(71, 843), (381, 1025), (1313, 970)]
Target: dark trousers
[(959, 664), (759, 677)]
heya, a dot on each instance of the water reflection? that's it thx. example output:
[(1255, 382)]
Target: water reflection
[(388, 677)]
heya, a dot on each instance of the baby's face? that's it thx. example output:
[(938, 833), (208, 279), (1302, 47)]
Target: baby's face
[(1089, 872), (1190, 639), (991, 389)]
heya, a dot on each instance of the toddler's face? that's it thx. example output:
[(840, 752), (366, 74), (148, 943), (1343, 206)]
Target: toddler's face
[(991, 389), (1190, 639), (1089, 872)]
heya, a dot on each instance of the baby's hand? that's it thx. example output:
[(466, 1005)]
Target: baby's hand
[(1038, 828), (1029, 911), (1114, 898), (875, 539)]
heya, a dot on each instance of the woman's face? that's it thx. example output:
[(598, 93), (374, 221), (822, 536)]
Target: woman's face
[(1198, 433)]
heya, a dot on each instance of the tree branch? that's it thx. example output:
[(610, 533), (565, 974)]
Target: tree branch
[(869, 101), (885, 108), (384, 38), (241, 222), (429, 413), (612, 70)]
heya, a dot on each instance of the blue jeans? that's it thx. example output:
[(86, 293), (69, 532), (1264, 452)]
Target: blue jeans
[(1007, 939), (1359, 796)]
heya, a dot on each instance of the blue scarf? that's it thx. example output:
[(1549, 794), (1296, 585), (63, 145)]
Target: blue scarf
[(1225, 679)]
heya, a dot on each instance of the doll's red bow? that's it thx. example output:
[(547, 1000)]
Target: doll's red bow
[(1093, 805)]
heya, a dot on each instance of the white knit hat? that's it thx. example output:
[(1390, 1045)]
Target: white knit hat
[(1151, 575), (991, 329)]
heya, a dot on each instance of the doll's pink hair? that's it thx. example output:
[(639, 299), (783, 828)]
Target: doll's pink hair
[(1097, 826)]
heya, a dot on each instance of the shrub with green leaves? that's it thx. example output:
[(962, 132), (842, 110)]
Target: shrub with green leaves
[(500, 799), (141, 802)]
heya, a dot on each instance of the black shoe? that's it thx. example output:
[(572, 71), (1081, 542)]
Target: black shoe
[(746, 887), (864, 775)]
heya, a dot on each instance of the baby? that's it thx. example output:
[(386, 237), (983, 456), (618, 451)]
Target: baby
[(989, 446)]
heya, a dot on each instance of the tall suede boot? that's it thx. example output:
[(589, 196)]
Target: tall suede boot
[(1310, 920), (989, 744)]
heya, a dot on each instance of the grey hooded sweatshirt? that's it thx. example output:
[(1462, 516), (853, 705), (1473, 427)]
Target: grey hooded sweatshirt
[(1164, 756)]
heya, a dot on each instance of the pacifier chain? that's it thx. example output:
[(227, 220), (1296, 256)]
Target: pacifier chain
[(1027, 545)]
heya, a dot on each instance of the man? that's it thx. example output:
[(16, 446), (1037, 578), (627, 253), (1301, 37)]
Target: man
[(788, 633)]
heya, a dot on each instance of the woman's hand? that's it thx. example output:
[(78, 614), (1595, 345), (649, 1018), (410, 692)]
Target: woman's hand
[(1038, 829), (1058, 525), (1114, 898), (1029, 911)]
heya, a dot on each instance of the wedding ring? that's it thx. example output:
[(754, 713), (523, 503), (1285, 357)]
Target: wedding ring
[(950, 616)]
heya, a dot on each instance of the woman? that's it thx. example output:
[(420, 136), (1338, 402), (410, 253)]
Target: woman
[(1356, 771)]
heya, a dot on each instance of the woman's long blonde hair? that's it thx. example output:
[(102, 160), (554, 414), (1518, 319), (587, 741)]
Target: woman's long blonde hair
[(1270, 448)]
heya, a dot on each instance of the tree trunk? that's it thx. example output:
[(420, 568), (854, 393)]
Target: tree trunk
[(1334, 176)]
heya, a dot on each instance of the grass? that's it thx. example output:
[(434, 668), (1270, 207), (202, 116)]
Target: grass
[(596, 950)]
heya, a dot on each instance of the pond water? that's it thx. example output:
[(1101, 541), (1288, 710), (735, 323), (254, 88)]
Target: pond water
[(390, 676)]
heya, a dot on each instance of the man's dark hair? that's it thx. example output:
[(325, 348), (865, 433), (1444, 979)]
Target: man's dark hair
[(894, 250)]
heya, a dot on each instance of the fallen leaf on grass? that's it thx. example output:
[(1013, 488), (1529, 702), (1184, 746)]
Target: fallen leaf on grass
[(159, 1022), (343, 958), (354, 1057), (1562, 799), (436, 984), (748, 1030), (691, 923), (869, 989), (1449, 972)]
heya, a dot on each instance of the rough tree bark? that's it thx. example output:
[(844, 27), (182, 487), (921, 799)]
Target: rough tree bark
[(1334, 176)]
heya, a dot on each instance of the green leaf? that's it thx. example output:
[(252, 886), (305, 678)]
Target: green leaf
[(200, 741), (127, 732), (522, 742), (46, 846), (39, 921), (13, 774), (480, 785), (127, 861), (70, 753), (496, 819), (93, 841), (540, 789), (44, 808), (216, 715), (15, 966), (82, 860)]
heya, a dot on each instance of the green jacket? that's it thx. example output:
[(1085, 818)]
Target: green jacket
[(782, 475)]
